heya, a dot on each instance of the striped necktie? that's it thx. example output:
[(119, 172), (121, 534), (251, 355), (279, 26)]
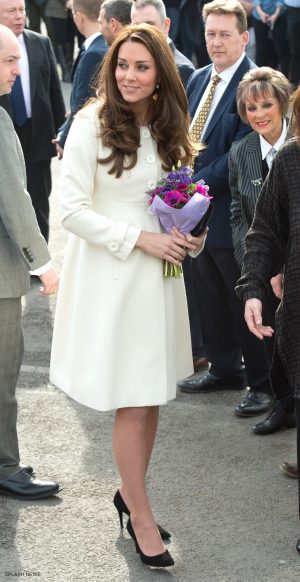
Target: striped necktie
[(199, 124)]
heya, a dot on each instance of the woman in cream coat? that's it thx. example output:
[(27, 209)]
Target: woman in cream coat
[(121, 334)]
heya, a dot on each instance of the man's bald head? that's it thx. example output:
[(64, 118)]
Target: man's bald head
[(9, 59)]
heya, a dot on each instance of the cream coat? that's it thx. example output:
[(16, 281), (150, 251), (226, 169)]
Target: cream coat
[(121, 335)]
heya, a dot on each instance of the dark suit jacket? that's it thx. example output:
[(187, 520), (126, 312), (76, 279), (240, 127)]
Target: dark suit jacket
[(184, 65), (87, 68), (245, 181), (224, 128), (48, 109)]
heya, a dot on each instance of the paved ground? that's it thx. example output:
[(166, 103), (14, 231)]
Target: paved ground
[(212, 483)]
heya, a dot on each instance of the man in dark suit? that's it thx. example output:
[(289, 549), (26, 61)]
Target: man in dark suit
[(36, 106), (226, 336), (22, 247), (85, 14), (113, 16), (154, 12)]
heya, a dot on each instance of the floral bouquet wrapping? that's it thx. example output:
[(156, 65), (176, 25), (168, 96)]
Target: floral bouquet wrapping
[(177, 201)]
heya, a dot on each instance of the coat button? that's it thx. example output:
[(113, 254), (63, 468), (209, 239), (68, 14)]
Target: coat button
[(113, 247), (151, 184), (145, 133), (150, 159)]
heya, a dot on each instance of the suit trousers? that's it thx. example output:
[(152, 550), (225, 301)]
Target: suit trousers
[(39, 181), (194, 316), (225, 333), (11, 353)]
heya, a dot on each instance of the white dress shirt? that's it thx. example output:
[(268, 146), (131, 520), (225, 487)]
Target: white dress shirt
[(266, 147)]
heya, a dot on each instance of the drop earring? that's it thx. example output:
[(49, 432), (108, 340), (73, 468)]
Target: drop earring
[(155, 95)]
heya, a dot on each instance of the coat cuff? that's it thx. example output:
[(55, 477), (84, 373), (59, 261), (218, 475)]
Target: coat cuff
[(124, 241)]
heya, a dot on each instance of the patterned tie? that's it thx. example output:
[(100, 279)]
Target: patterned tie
[(18, 103), (199, 124)]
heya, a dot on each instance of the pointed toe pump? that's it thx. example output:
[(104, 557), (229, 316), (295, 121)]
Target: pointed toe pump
[(121, 508), (163, 560)]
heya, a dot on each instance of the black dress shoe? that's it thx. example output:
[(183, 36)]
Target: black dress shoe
[(277, 419), (21, 485), (27, 468), (298, 546), (253, 403), (211, 383)]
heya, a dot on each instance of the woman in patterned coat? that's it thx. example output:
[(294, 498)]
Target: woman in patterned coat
[(273, 244)]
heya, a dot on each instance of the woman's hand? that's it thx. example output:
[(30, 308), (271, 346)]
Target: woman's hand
[(171, 247), (253, 311), (277, 285), (198, 241)]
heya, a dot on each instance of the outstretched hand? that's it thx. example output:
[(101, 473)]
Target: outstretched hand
[(253, 317)]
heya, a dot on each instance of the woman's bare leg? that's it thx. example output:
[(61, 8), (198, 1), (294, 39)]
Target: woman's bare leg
[(133, 439)]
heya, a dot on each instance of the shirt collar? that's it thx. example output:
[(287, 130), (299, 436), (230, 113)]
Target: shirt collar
[(88, 41), (265, 146), (227, 74)]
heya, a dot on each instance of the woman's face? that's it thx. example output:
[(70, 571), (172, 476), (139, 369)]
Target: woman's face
[(136, 75), (265, 117)]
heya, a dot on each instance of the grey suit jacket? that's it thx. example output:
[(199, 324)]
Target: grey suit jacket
[(22, 247)]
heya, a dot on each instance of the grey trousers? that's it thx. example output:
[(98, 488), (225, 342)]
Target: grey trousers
[(11, 353)]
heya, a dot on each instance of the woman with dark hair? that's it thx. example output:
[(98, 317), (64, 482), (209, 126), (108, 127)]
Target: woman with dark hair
[(121, 334), (273, 245), (263, 99)]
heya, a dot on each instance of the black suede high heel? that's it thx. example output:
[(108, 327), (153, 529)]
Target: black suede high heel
[(121, 508), (160, 561)]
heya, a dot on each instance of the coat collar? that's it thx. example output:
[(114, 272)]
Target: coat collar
[(227, 96)]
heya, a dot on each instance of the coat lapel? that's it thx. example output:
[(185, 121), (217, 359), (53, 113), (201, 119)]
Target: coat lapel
[(254, 163), (202, 82), (33, 50), (227, 97)]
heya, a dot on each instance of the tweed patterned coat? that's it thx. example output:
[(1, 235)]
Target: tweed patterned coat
[(272, 243)]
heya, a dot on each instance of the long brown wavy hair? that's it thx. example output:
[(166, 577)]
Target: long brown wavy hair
[(168, 111)]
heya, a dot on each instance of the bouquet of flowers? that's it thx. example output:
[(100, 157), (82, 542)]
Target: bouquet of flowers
[(177, 201)]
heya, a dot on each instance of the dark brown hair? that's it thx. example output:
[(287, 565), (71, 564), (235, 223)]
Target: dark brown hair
[(263, 82), (295, 119), (168, 112)]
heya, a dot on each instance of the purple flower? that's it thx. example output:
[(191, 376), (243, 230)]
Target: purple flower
[(172, 198)]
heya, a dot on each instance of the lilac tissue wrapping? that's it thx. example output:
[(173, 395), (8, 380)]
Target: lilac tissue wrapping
[(186, 218)]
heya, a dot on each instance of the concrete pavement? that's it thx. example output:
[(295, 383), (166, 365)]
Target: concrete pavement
[(213, 484)]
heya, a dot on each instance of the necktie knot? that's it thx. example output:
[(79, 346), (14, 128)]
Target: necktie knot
[(215, 80)]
